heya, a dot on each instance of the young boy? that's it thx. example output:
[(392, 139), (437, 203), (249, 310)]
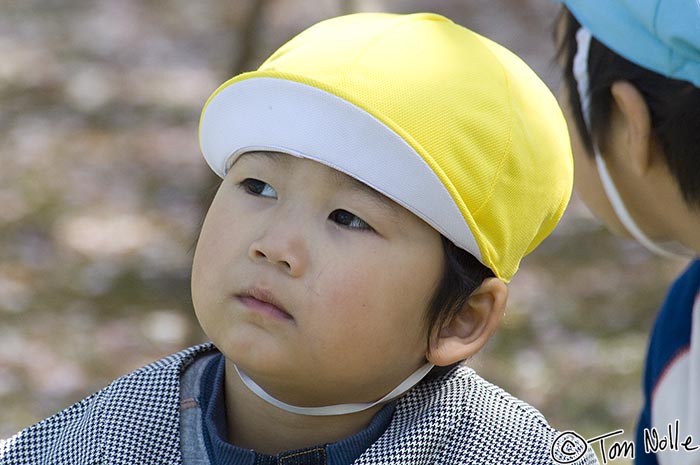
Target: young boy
[(383, 177), (632, 73)]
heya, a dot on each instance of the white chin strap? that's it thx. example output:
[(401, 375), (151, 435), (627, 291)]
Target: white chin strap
[(340, 409), (670, 249)]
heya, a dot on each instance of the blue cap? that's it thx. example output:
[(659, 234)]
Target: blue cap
[(660, 35)]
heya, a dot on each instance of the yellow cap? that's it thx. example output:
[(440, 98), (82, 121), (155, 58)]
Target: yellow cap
[(443, 121)]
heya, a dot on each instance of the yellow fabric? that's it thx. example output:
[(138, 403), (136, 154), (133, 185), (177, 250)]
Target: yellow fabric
[(477, 114)]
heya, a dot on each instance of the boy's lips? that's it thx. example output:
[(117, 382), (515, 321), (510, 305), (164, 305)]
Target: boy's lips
[(263, 301)]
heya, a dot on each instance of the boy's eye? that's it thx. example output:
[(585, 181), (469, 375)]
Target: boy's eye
[(348, 220), (257, 187)]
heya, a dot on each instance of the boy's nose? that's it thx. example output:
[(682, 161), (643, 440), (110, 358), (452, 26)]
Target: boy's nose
[(282, 246)]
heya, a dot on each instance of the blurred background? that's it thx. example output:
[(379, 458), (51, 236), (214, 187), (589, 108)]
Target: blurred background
[(103, 189)]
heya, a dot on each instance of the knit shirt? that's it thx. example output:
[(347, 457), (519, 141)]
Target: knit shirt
[(457, 418)]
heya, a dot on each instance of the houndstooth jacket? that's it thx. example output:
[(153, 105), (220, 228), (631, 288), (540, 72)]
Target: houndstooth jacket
[(456, 419)]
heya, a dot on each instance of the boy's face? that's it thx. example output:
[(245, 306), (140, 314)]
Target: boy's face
[(313, 284), (586, 178)]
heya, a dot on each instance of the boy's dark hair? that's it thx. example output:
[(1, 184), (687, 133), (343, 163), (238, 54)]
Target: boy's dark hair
[(674, 104), (462, 275)]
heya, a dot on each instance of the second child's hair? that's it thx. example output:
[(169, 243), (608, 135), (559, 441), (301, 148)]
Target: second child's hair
[(674, 104)]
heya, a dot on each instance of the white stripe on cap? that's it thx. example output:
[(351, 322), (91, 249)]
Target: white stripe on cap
[(580, 70), (304, 121)]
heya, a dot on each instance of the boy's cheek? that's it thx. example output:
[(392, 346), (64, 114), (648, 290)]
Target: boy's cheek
[(587, 182), (340, 292), (590, 190)]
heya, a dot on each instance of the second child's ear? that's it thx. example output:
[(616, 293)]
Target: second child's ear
[(468, 331), (634, 121)]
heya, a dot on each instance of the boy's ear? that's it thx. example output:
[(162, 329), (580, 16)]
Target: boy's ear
[(635, 124), (469, 330)]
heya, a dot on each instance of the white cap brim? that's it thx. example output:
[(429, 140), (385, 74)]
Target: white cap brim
[(286, 116)]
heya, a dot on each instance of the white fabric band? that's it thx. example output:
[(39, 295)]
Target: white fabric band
[(340, 409), (670, 250), (580, 70), (307, 122)]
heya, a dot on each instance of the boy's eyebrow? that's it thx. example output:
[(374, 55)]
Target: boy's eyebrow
[(383, 201), (276, 157), (339, 178)]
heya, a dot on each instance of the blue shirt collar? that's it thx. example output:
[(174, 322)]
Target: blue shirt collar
[(220, 452)]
